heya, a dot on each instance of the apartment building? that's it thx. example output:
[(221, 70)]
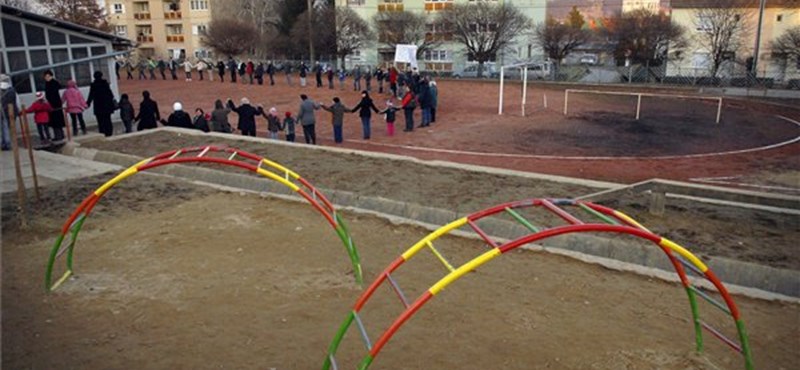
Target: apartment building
[(779, 16), (449, 56), (161, 28), (650, 5)]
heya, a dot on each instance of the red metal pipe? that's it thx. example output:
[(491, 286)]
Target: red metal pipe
[(399, 322), (561, 213), (377, 282)]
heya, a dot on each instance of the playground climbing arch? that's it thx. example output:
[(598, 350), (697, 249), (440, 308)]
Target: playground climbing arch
[(605, 220), (65, 242)]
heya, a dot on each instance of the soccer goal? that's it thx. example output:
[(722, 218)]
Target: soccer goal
[(523, 67), (639, 96)]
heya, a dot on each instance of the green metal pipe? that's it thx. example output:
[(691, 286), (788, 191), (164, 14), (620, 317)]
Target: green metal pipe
[(522, 220), (334, 346), (48, 275), (599, 215), (698, 329), (745, 343)]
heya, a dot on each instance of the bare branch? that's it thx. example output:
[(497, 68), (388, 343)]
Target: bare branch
[(722, 33), (229, 37)]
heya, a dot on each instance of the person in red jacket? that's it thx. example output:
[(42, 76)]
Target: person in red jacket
[(250, 67), (393, 81), (41, 115)]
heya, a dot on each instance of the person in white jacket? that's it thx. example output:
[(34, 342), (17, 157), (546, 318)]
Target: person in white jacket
[(187, 67), (201, 65)]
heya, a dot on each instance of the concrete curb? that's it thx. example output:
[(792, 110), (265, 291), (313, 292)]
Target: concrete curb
[(781, 281)]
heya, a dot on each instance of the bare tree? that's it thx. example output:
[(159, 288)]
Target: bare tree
[(229, 36), (721, 33), (404, 27), (558, 39), (86, 13), (262, 14), (645, 37), (485, 29), (352, 32), (26, 5), (787, 46), (324, 33)]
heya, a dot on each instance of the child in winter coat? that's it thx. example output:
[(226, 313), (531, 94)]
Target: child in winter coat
[(390, 113), (342, 76), (273, 123), (74, 104), (126, 112), (288, 124), (41, 115)]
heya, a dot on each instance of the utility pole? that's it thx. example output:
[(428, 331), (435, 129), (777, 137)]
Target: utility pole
[(758, 37), (310, 13)]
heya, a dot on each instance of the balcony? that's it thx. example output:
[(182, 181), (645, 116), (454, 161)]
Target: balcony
[(173, 15), (390, 7), (144, 39), (432, 7), (141, 16), (175, 38)]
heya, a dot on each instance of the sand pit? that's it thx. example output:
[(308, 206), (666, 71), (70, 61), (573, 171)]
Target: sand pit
[(171, 275)]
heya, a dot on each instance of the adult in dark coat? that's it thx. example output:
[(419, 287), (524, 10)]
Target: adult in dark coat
[(221, 71), (271, 73), (232, 67), (178, 118), (365, 108), (100, 94), (425, 102), (53, 97), (247, 116), (148, 116)]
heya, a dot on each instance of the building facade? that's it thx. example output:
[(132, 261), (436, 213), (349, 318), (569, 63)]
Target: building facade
[(448, 56), (650, 5), (779, 16), (31, 43), (161, 28)]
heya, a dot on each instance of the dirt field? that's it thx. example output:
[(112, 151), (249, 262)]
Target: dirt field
[(467, 122), (761, 237), (174, 276)]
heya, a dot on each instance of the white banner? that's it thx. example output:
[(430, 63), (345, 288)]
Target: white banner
[(406, 54)]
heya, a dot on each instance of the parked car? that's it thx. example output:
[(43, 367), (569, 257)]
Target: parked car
[(471, 71)]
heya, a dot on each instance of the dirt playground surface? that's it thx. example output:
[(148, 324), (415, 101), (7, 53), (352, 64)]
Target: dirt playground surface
[(468, 129), (713, 231), (170, 275)]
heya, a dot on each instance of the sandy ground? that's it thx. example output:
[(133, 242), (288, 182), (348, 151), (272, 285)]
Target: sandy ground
[(747, 235), (173, 276), (467, 120)]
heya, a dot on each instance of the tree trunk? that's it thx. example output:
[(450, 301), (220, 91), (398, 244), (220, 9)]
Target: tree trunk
[(480, 68)]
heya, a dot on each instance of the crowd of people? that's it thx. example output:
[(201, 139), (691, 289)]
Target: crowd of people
[(51, 105), (405, 91)]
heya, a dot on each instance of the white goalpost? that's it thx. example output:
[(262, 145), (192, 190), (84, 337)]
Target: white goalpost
[(639, 96), (524, 73)]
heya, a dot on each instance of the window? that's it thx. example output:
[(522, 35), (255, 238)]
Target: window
[(12, 30), (119, 8), (199, 29), (436, 55), (392, 1), (121, 30), (35, 35), (83, 73), (356, 2), (174, 29), (779, 18), (199, 4), (17, 62), (63, 73), (38, 59), (57, 38), (483, 27), (79, 40), (356, 55), (700, 60)]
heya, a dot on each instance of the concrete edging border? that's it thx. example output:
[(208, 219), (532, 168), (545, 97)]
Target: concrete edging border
[(584, 247)]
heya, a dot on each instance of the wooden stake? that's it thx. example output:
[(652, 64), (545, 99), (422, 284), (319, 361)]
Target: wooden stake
[(12, 123), (26, 138)]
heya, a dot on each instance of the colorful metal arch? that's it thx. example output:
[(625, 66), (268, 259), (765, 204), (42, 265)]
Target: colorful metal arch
[(233, 157), (612, 221)]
